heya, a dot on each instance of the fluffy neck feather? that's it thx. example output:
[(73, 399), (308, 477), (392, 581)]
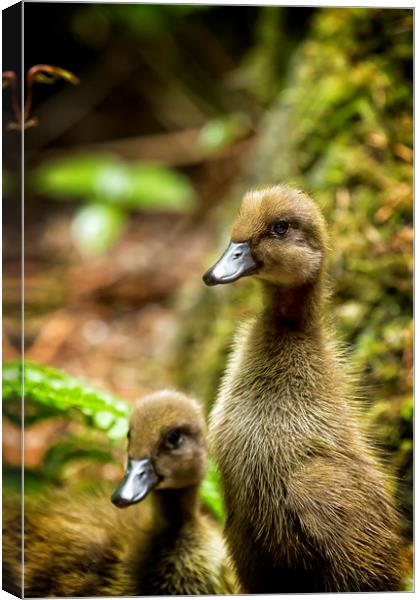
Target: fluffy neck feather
[(298, 308), (177, 506)]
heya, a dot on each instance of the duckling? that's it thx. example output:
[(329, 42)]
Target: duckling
[(308, 505), (81, 547)]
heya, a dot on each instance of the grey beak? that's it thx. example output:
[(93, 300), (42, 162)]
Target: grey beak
[(236, 262), (140, 477)]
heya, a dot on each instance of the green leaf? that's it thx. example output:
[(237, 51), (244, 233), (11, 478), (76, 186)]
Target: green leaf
[(71, 448), (210, 492), (105, 179), (56, 392), (154, 186), (96, 228), (74, 176), (118, 430)]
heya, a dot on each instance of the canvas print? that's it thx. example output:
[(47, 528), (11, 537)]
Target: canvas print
[(207, 299)]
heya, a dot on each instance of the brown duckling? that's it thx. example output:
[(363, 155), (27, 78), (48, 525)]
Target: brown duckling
[(309, 507), (164, 546)]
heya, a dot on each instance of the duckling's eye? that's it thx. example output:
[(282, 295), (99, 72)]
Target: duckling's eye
[(280, 228), (174, 438)]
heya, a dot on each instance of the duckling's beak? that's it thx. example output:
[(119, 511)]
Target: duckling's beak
[(140, 477), (236, 262)]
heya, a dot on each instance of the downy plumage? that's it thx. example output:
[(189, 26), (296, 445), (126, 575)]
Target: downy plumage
[(309, 507)]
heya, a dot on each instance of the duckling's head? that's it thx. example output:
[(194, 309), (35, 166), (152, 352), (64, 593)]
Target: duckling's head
[(279, 235), (166, 447)]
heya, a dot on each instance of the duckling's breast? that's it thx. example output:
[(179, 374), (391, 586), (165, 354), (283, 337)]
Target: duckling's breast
[(274, 410)]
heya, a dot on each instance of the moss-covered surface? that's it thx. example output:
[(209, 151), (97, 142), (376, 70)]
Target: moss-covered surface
[(342, 130)]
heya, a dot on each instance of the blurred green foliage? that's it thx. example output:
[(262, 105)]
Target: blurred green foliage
[(342, 130), (97, 227), (265, 66), (153, 19), (48, 393), (221, 132), (210, 491), (106, 178), (112, 187)]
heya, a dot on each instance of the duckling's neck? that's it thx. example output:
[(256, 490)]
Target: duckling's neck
[(177, 507), (298, 308)]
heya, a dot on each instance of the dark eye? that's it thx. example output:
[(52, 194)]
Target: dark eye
[(128, 435), (174, 438), (281, 227)]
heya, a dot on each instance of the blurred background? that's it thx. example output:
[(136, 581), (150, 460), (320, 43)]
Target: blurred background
[(132, 178)]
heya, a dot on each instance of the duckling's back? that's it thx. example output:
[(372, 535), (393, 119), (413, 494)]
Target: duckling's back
[(73, 546)]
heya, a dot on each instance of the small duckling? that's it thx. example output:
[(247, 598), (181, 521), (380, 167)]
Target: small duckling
[(87, 547), (308, 504)]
